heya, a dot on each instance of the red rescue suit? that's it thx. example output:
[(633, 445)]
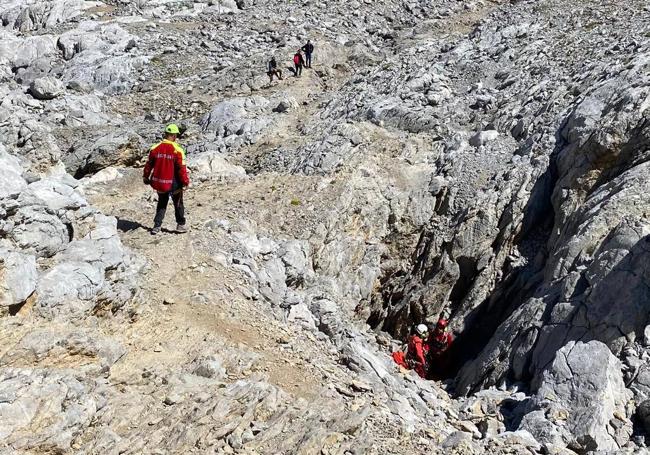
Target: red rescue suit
[(165, 168), (439, 342), (439, 360), (416, 356)]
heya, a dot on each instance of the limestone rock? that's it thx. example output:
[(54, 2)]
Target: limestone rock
[(38, 231), (244, 117), (11, 180), (30, 394), (483, 137), (32, 15), (209, 367), (123, 148), (46, 88), (214, 166), (584, 390), (53, 193), (18, 276)]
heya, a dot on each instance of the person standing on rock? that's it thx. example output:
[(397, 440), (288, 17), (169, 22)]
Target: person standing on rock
[(273, 70), (308, 49), (298, 62), (165, 171)]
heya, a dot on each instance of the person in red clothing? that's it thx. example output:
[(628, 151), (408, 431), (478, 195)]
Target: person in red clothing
[(416, 352), (418, 349), (165, 171), (298, 62), (439, 342)]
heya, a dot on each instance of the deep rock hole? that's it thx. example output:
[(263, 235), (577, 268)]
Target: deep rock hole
[(517, 283)]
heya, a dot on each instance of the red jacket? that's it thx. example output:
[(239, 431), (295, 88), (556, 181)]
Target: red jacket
[(417, 354), (165, 168), (440, 342)]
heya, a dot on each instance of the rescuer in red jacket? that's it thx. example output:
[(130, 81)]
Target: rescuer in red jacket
[(418, 349), (416, 352), (165, 171), (439, 343)]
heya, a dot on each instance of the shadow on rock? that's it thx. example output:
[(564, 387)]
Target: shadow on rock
[(128, 225)]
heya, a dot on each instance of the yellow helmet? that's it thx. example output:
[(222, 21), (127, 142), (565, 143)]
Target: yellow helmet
[(172, 129)]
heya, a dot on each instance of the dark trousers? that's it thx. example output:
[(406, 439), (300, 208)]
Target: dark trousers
[(161, 208), (298, 69), (308, 60), (277, 73)]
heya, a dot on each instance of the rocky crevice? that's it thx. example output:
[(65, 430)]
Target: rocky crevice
[(487, 162)]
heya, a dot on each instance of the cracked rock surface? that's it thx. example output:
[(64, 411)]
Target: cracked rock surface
[(481, 160)]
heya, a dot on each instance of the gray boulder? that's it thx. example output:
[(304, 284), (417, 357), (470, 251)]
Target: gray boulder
[(46, 88), (286, 104), (42, 407), (72, 284), (11, 180), (581, 401), (22, 52), (17, 277), (483, 137), (123, 148), (38, 231), (30, 15), (224, 6), (208, 367), (213, 166), (97, 57), (52, 193), (245, 117)]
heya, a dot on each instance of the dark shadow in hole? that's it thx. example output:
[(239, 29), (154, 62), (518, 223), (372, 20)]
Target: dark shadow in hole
[(15, 308), (513, 412), (70, 230), (518, 282), (128, 225)]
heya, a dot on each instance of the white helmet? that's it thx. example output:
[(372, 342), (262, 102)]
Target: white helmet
[(421, 329)]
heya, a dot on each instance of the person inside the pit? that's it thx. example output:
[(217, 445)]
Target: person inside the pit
[(166, 172), (439, 343), (273, 70), (416, 351), (298, 62)]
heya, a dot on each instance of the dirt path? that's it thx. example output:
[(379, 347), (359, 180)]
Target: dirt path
[(206, 298)]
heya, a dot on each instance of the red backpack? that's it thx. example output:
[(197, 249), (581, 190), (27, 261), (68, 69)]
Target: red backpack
[(296, 59)]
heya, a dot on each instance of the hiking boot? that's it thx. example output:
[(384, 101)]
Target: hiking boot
[(155, 230), (181, 229)]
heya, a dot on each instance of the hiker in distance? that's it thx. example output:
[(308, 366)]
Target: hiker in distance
[(298, 62), (273, 70), (165, 171), (308, 49)]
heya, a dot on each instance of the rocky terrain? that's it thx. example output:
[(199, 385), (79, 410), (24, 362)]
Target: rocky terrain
[(483, 160)]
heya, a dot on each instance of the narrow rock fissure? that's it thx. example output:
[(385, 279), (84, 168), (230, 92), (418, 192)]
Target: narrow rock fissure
[(481, 161), (518, 283)]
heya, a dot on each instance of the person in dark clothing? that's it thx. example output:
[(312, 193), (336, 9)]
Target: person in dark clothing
[(308, 49), (298, 62), (161, 209), (439, 343), (273, 70)]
